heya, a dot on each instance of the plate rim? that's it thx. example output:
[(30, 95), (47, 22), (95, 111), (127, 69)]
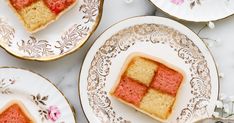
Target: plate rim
[(106, 30), (190, 20), (73, 50), (72, 108)]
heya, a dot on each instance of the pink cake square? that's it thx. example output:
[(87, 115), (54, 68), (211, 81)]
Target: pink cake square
[(130, 91), (167, 80)]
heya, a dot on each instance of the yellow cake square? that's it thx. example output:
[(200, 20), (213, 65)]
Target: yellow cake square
[(36, 15), (157, 103), (142, 70)]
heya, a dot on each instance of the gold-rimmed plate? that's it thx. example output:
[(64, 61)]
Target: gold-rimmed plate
[(196, 10), (157, 37), (61, 38), (43, 101)]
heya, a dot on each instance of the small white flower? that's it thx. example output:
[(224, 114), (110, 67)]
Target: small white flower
[(222, 97), (211, 44), (219, 41), (211, 25), (219, 104), (215, 114), (128, 1), (3, 19), (221, 75)]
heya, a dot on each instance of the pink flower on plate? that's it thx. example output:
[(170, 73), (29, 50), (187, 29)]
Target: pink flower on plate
[(177, 2), (53, 113)]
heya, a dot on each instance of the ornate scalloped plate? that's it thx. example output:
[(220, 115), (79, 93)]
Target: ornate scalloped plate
[(61, 38), (41, 98), (159, 37), (197, 10)]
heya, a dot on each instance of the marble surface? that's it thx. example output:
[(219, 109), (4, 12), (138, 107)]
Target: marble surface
[(65, 72)]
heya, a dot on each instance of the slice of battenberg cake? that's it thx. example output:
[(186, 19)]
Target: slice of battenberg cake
[(15, 112), (37, 14), (149, 86)]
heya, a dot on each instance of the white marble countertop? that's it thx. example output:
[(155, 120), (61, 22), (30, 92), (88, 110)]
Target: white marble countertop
[(65, 72)]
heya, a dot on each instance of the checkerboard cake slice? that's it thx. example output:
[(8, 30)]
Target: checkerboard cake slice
[(38, 14), (148, 85), (15, 112)]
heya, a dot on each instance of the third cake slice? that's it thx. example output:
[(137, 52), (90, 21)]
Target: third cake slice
[(15, 112)]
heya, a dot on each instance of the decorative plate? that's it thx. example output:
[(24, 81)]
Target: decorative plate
[(61, 38), (42, 99), (154, 36), (196, 10)]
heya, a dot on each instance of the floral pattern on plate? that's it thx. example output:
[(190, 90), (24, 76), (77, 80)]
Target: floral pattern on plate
[(192, 2), (66, 37), (45, 110), (196, 10), (47, 113)]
